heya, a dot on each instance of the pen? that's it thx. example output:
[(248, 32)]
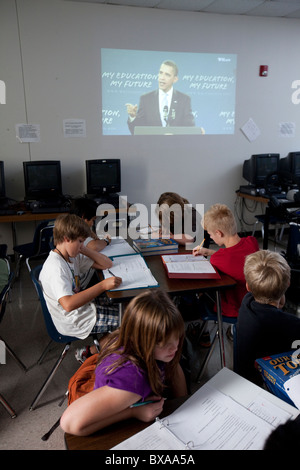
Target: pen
[(111, 273)]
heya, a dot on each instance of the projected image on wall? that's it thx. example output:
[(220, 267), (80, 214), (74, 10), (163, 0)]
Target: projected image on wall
[(151, 92)]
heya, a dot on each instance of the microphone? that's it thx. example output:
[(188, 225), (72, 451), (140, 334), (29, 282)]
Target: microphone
[(165, 113)]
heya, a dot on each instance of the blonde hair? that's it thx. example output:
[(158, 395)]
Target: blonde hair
[(220, 217), (268, 275), (149, 319), (69, 226)]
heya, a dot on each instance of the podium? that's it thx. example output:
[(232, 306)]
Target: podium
[(169, 130)]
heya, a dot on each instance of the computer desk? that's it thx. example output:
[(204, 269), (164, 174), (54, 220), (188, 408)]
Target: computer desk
[(28, 216), (25, 216), (264, 200), (279, 212), (177, 287)]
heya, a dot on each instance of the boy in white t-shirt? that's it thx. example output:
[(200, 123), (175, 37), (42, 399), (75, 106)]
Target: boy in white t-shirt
[(76, 312), (86, 209)]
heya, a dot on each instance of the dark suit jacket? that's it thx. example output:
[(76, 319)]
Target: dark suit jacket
[(180, 113)]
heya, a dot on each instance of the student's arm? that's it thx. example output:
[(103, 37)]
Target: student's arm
[(178, 384), (105, 406), (182, 239), (100, 261), (97, 244), (71, 302)]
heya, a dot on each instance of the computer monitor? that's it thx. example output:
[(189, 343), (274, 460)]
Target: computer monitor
[(2, 182), (103, 177), (42, 179), (291, 164), (258, 167)]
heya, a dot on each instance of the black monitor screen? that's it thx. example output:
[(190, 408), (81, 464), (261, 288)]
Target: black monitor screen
[(295, 163), (2, 181), (42, 179), (265, 165), (258, 167), (103, 176)]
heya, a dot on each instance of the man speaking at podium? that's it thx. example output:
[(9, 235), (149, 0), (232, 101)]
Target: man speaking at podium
[(163, 107)]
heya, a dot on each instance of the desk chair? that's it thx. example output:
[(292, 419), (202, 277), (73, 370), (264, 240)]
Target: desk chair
[(293, 246), (292, 256), (40, 246), (206, 317), (277, 222), (7, 276), (54, 335)]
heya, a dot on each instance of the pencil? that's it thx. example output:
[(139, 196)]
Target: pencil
[(141, 403), (199, 246)]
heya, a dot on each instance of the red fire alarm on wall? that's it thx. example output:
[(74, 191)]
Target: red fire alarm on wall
[(263, 70)]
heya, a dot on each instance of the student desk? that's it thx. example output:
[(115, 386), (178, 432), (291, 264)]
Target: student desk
[(112, 435), (226, 381), (181, 287)]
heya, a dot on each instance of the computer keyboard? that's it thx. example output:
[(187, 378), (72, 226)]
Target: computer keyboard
[(293, 210), (277, 195), (7, 212), (49, 210)]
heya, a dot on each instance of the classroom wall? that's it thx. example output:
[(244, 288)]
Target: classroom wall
[(50, 63)]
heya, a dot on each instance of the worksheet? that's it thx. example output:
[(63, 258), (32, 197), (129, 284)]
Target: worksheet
[(210, 420), (133, 270)]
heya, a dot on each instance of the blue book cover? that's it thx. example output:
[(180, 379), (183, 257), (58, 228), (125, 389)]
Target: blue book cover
[(155, 244), (276, 370)]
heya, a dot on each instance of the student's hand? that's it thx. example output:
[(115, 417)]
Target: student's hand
[(111, 282), (147, 413), (203, 251), (132, 109)]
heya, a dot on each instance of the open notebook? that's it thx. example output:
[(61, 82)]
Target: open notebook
[(213, 420), (188, 266), (133, 270)]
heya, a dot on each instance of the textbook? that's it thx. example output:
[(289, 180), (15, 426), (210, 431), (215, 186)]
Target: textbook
[(155, 246), (133, 270), (276, 370), (188, 266)]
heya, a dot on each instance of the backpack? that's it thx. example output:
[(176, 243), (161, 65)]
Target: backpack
[(83, 380)]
